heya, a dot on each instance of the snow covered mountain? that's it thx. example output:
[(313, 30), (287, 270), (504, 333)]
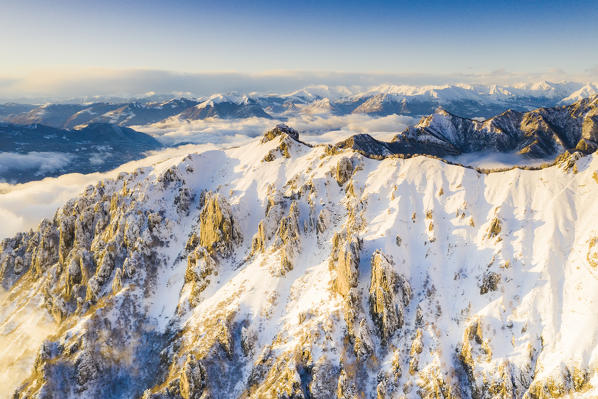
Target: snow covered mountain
[(68, 116), (539, 133), (460, 99), (279, 269), (221, 106), (464, 100)]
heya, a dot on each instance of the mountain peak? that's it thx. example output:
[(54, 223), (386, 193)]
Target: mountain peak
[(280, 129)]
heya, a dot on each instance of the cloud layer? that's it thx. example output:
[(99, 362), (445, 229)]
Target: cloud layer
[(38, 162), (313, 128)]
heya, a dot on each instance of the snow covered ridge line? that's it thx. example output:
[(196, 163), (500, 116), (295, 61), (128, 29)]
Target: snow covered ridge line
[(383, 100), (544, 133), (283, 270)]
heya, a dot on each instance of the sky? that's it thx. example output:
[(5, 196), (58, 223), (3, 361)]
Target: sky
[(49, 46)]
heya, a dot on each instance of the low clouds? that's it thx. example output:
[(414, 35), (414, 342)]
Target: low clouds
[(39, 163), (313, 128), (496, 160)]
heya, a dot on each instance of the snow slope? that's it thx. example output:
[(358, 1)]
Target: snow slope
[(283, 270)]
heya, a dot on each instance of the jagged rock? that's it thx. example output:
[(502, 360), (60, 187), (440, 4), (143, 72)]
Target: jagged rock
[(568, 160), (217, 229), (258, 243), (193, 379), (571, 381), (248, 337), (390, 293), (279, 130), (86, 368), (288, 238), (494, 228), (183, 200), (66, 237), (325, 374), (324, 220), (487, 379), (398, 240), (344, 170), (282, 149), (344, 260), (490, 282), (200, 266), (366, 145), (345, 387), (271, 222)]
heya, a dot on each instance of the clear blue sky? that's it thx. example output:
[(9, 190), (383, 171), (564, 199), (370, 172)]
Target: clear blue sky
[(256, 36)]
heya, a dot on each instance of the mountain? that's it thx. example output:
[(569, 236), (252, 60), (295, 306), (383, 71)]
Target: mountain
[(471, 101), (541, 133), (225, 107), (466, 100), (279, 269), (31, 152), (588, 90), (54, 115), (142, 114), (13, 108), (68, 116)]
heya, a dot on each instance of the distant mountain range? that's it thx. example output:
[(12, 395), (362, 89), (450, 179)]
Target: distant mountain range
[(469, 101), (31, 152)]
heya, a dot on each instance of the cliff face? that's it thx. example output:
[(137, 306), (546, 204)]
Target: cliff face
[(311, 273)]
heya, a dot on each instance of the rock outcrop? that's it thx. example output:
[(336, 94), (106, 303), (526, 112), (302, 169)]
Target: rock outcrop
[(280, 130), (390, 294), (218, 232)]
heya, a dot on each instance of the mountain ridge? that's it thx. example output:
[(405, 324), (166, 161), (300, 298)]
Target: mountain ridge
[(541, 133), (279, 269), (462, 99)]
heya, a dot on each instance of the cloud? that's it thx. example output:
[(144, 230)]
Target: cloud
[(64, 84), (496, 160), (317, 128), (40, 162)]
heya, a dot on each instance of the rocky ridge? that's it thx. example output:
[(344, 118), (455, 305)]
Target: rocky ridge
[(541, 133), (284, 270)]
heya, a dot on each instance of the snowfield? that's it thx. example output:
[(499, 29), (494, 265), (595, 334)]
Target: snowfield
[(281, 269)]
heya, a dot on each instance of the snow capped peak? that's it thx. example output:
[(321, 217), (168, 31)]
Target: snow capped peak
[(223, 98), (588, 90)]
